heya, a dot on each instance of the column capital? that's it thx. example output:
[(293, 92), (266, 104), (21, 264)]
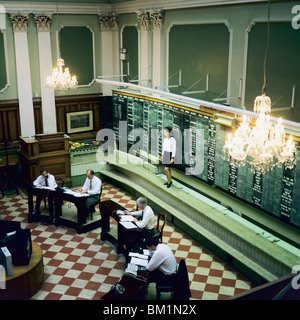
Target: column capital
[(19, 21), (43, 22), (109, 22), (144, 20), (157, 19)]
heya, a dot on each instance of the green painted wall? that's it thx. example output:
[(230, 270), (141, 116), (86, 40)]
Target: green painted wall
[(76, 45), (130, 42), (197, 50), (3, 78), (283, 66)]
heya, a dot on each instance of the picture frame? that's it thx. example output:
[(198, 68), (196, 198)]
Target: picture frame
[(79, 121)]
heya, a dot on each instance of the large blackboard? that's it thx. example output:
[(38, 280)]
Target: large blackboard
[(276, 192)]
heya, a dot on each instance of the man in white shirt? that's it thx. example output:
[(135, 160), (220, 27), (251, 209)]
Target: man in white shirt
[(45, 179), (92, 186), (146, 217), (162, 265)]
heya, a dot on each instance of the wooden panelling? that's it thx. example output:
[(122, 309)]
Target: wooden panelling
[(10, 117), (9, 120), (38, 117), (78, 103)]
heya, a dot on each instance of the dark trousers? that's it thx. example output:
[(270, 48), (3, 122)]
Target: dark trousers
[(38, 204), (160, 278), (91, 201)]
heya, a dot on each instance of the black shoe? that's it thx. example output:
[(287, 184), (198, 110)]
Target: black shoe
[(169, 184), (166, 183)]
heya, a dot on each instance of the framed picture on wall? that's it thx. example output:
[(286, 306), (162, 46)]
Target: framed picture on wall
[(79, 121)]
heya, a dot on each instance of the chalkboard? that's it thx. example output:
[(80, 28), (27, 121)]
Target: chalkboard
[(276, 192)]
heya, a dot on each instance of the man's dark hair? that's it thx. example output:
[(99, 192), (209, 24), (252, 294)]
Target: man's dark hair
[(43, 170), (149, 241), (91, 172)]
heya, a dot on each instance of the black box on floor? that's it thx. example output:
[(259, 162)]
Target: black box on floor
[(20, 246)]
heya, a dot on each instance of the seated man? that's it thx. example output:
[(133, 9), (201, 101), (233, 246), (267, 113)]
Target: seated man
[(146, 216), (92, 186), (162, 265), (45, 179)]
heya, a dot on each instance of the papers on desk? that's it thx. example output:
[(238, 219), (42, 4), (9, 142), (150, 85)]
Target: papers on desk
[(138, 255), (120, 212), (128, 224), (44, 187), (76, 194), (139, 262), (126, 218)]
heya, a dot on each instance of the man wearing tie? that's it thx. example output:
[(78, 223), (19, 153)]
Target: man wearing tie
[(45, 179), (92, 186)]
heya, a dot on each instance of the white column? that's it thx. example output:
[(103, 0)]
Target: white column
[(43, 23), (144, 46), (157, 20), (19, 22), (110, 51)]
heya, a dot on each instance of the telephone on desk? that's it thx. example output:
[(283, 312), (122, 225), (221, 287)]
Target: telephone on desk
[(131, 270)]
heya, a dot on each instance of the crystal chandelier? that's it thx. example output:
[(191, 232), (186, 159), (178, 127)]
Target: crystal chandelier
[(61, 79), (264, 146)]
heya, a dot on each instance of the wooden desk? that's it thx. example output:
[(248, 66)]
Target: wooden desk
[(126, 238), (134, 290), (26, 280), (80, 224), (44, 193)]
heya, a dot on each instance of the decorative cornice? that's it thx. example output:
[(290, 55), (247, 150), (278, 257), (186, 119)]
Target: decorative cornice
[(157, 19), (19, 21), (108, 22), (43, 22), (144, 20)]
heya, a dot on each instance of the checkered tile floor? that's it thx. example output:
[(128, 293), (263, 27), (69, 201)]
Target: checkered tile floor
[(84, 267)]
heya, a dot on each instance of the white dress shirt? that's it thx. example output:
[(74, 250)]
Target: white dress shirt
[(94, 188), (162, 259), (148, 220), (169, 145), (41, 180)]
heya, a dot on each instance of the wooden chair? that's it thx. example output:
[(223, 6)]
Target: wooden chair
[(158, 231)]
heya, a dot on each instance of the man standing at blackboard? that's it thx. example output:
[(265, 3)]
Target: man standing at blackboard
[(168, 154)]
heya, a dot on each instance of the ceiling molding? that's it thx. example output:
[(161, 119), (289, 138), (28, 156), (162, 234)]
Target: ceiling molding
[(122, 7)]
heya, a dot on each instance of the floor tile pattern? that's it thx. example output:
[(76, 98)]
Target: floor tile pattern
[(84, 267)]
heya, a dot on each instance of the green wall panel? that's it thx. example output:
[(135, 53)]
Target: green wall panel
[(198, 49), (283, 66), (130, 42), (76, 45), (3, 76)]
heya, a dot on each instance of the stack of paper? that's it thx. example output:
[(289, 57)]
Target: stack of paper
[(139, 262), (128, 224), (138, 255), (127, 218), (120, 212)]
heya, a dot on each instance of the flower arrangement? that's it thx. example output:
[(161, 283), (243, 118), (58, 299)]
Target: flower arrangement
[(74, 145)]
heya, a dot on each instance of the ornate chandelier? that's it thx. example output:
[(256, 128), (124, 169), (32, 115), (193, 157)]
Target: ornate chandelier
[(61, 80), (263, 146)]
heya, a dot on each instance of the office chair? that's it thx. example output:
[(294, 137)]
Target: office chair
[(179, 287), (158, 232)]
